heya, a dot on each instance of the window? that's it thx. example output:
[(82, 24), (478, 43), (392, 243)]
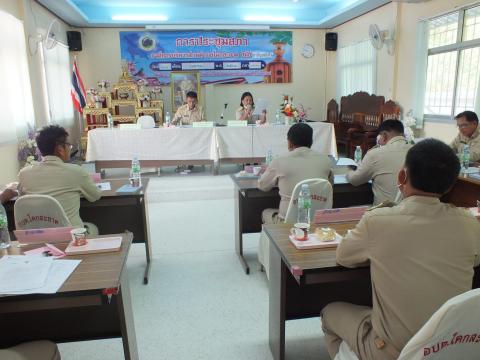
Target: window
[(16, 105), (453, 64), (356, 69)]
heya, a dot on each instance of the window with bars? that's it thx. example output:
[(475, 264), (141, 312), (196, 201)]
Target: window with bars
[(453, 66)]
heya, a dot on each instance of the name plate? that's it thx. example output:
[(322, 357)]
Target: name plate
[(202, 124), (237, 123), (129, 126)]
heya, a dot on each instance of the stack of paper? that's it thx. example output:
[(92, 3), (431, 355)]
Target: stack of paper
[(21, 274), (329, 216)]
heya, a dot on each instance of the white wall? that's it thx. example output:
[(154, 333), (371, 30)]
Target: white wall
[(100, 59)]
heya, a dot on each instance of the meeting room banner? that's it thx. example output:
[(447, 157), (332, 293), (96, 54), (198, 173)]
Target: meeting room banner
[(221, 57)]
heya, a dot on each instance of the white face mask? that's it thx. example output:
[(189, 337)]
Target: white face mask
[(379, 139)]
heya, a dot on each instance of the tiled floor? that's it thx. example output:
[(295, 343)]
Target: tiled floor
[(199, 304)]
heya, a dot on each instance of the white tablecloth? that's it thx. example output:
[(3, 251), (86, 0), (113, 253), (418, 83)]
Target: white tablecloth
[(200, 143)]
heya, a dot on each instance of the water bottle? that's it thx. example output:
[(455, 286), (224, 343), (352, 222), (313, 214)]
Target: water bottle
[(167, 119), (466, 157), (135, 173), (358, 155), (109, 121), (304, 205), (269, 157), (4, 234), (277, 117)]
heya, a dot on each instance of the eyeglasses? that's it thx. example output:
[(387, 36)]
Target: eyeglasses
[(68, 145), (462, 126)]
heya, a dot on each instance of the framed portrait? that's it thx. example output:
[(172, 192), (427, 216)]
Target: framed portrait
[(181, 82)]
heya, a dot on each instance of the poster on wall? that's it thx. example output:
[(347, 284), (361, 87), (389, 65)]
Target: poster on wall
[(220, 57)]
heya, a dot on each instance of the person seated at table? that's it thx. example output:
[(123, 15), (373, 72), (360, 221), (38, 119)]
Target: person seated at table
[(421, 253), (469, 134), (53, 176), (245, 111), (190, 112), (381, 164)]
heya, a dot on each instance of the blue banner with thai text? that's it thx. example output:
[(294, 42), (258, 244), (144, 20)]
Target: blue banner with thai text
[(221, 57)]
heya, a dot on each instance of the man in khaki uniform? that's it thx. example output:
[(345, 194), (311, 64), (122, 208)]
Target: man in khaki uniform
[(52, 176), (286, 171), (190, 112), (469, 134), (381, 164), (421, 253)]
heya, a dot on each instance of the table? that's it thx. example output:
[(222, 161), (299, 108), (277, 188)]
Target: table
[(302, 282), (80, 310), (110, 148), (465, 192), (113, 213), (251, 201)]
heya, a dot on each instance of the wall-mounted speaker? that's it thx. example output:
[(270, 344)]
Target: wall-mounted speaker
[(74, 39), (331, 40)]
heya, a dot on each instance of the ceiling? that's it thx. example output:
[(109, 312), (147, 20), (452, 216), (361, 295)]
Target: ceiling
[(274, 13)]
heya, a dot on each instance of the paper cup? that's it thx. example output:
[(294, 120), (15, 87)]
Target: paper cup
[(79, 236)]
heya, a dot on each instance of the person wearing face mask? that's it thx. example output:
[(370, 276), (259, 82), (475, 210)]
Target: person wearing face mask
[(469, 134), (190, 112), (381, 164), (421, 253), (245, 111)]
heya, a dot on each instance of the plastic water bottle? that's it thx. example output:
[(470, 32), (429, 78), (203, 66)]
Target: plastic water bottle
[(358, 155), (304, 205), (135, 173), (277, 117), (269, 157), (167, 119), (4, 234), (109, 121), (466, 157)]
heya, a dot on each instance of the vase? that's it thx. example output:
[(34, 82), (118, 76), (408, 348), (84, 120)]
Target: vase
[(288, 120)]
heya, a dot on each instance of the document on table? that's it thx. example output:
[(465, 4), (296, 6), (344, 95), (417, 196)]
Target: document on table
[(345, 162), (260, 106), (104, 186), (23, 273)]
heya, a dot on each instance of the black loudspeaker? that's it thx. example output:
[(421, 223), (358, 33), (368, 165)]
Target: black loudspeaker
[(74, 39), (331, 40)]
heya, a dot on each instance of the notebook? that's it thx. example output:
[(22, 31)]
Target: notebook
[(46, 235), (96, 245), (127, 188)]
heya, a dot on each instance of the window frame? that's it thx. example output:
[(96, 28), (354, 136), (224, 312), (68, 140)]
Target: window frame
[(458, 47)]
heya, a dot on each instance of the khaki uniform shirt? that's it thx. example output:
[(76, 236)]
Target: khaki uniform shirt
[(381, 165), (421, 253), (288, 170), (187, 116), (252, 119), (473, 142), (65, 182)]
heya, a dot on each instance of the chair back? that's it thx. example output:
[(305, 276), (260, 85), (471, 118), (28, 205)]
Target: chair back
[(146, 122), (453, 332), (321, 194), (39, 211)]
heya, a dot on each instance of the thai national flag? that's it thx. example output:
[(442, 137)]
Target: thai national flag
[(77, 91)]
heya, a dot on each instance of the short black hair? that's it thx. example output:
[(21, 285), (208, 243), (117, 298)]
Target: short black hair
[(49, 137), (391, 125), (244, 95), (300, 134), (192, 94), (470, 116), (432, 166)]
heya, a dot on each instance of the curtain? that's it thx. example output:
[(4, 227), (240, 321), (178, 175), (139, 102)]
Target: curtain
[(57, 79), (419, 86), (356, 69), (16, 105)]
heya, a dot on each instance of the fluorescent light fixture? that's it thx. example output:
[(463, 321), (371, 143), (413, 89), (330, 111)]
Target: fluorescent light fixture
[(269, 18), (139, 18), (206, 27)]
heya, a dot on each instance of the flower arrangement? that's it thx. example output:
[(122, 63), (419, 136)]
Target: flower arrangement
[(103, 85), (141, 84), (299, 113), (408, 123), (302, 113), (28, 152)]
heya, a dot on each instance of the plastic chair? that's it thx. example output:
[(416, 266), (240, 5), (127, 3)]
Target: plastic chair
[(451, 333), (146, 122), (322, 198), (39, 211)]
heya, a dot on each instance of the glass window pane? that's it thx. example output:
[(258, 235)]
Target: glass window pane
[(471, 24), (467, 82), (440, 83), (443, 30)]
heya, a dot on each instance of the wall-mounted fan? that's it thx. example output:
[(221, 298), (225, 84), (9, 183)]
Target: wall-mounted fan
[(379, 37), (49, 41)]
